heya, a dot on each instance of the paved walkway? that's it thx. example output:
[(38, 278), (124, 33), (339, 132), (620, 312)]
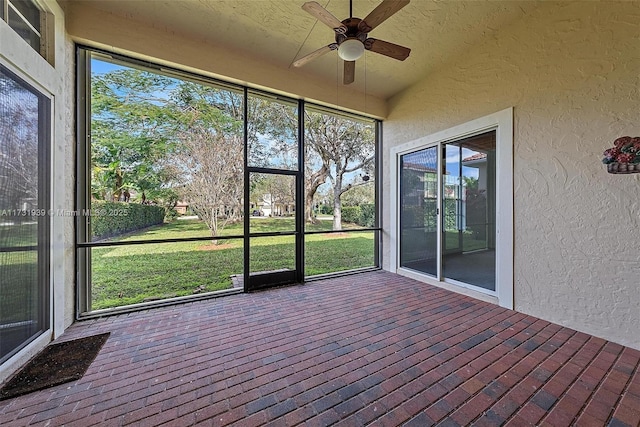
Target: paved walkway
[(373, 348)]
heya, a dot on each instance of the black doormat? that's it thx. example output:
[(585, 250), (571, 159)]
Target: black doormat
[(56, 364)]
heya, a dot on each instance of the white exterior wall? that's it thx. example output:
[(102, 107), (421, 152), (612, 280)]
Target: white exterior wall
[(571, 71), (57, 82)]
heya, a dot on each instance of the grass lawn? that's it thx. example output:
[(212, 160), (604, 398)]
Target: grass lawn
[(17, 233), (20, 286), (131, 274)]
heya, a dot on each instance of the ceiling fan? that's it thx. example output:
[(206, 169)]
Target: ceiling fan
[(352, 35)]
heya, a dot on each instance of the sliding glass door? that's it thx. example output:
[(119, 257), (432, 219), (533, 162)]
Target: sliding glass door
[(24, 213), (448, 211)]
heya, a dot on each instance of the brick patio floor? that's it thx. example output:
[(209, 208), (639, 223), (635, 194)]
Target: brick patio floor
[(373, 348)]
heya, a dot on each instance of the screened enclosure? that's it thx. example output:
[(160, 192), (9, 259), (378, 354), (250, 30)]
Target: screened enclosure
[(190, 187)]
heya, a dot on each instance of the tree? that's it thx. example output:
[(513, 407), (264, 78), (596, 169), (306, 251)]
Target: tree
[(159, 136), (272, 133), (132, 129), (475, 207), (208, 161), (211, 167), (342, 147), (358, 195), (336, 149), (167, 138)]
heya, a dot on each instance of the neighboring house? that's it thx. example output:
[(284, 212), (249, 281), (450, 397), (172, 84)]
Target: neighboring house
[(556, 81), (181, 207), (272, 206)]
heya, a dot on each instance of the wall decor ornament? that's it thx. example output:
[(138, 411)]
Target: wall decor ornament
[(624, 156)]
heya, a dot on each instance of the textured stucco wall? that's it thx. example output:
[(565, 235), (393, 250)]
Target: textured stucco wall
[(572, 73), (56, 80), (68, 176)]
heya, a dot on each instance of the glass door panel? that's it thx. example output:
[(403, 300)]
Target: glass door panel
[(466, 199), (418, 211), (468, 204), (273, 250), (452, 207)]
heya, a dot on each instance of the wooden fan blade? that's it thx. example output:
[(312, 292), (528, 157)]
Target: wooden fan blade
[(349, 72), (324, 16), (380, 14), (315, 54), (387, 49)]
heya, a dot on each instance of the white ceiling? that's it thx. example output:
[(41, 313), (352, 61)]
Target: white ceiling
[(279, 32)]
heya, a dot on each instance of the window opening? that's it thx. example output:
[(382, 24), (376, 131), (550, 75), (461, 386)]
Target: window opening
[(29, 22), (161, 212)]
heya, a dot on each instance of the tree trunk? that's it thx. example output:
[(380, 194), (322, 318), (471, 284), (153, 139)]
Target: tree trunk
[(337, 205), (119, 183), (308, 208), (213, 226), (317, 179)]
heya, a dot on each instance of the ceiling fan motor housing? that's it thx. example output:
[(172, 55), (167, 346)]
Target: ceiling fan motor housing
[(351, 44), (352, 31)]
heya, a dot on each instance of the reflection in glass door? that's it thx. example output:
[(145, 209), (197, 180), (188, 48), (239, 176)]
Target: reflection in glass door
[(24, 118)]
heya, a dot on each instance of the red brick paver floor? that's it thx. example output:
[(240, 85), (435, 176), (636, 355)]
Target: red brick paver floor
[(373, 348)]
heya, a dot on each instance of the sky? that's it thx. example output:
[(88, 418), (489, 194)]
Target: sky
[(100, 67)]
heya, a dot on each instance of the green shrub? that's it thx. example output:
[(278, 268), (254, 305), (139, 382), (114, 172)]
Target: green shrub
[(110, 219), (363, 215), (367, 215), (450, 214), (351, 214), (326, 210), (170, 214)]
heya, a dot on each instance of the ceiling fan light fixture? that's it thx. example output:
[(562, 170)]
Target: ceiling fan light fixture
[(351, 49)]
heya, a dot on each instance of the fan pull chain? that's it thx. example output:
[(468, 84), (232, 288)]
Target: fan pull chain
[(365, 81), (338, 63)]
